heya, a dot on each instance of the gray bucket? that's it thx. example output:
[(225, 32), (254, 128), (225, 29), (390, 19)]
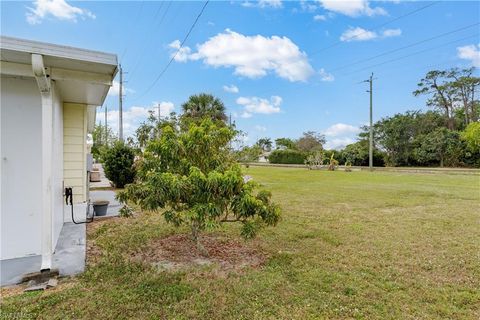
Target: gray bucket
[(100, 208)]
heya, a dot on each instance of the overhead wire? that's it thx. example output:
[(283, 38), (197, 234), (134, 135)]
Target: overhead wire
[(144, 48), (176, 52), (376, 27), (411, 54), (405, 47), (131, 32)]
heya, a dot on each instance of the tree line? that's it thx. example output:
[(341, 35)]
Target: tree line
[(447, 135)]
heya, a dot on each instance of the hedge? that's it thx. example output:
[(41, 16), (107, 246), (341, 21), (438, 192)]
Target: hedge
[(287, 157)]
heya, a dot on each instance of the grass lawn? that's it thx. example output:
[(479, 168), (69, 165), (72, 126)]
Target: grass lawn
[(350, 245)]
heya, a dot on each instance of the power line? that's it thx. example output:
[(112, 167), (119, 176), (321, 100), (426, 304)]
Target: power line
[(156, 26), (176, 53), (410, 55), (404, 47), (270, 90), (375, 28), (131, 33)]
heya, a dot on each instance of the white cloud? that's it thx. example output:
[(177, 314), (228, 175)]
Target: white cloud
[(392, 33), (231, 88), (308, 6), (276, 4), (319, 17), (357, 34), (340, 135), (270, 3), (253, 105), (245, 115), (360, 34), (338, 143), (470, 52), (115, 89), (340, 129), (182, 54), (255, 56), (352, 8), (134, 116), (260, 128), (325, 76), (58, 9)]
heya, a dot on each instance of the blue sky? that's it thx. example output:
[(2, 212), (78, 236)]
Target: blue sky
[(281, 67)]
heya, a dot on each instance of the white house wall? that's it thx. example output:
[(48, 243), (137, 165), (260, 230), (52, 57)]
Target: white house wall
[(58, 199), (21, 164)]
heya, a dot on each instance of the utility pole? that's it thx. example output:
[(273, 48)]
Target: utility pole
[(106, 126), (120, 106), (370, 147)]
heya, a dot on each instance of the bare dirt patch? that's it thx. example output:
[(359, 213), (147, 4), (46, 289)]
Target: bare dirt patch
[(14, 290), (179, 251)]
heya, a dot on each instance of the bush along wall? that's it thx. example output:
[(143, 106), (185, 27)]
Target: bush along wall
[(118, 164)]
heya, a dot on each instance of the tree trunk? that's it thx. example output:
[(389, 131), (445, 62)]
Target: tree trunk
[(195, 228), (441, 161)]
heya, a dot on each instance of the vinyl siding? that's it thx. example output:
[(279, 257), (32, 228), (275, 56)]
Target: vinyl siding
[(75, 149)]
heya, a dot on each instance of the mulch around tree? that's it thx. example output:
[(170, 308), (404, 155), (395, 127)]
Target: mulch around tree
[(179, 251)]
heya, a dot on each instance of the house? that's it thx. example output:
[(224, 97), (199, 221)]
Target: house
[(49, 95)]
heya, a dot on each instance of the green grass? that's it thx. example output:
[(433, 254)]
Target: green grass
[(350, 245)]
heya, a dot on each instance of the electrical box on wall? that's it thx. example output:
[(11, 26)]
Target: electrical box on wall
[(89, 162)]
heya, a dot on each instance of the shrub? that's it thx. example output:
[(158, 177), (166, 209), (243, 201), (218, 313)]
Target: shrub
[(471, 136), (333, 163), (348, 166), (287, 157), (315, 160), (118, 164), (125, 212)]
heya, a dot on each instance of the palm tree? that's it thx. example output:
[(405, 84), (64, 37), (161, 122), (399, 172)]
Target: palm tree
[(265, 144), (204, 105)]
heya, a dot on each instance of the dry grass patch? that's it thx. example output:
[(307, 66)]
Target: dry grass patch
[(179, 251)]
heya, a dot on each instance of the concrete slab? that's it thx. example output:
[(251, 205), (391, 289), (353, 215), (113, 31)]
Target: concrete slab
[(12, 270), (68, 258), (70, 253), (113, 207)]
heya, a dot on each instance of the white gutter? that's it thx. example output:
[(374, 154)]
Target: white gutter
[(44, 86)]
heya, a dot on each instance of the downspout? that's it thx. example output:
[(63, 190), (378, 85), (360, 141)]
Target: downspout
[(44, 86)]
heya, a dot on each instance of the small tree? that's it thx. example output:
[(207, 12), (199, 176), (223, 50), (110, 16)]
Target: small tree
[(191, 174), (315, 160), (441, 145), (310, 141), (102, 138), (118, 164), (285, 143), (333, 164)]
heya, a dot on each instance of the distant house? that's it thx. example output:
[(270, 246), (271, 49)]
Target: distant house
[(264, 156), (49, 95)]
